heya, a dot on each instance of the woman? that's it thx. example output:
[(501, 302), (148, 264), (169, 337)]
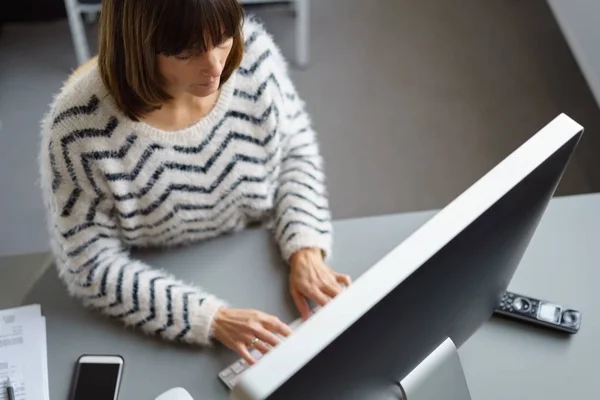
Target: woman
[(185, 127)]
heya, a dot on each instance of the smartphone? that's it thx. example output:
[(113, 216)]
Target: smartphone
[(97, 378)]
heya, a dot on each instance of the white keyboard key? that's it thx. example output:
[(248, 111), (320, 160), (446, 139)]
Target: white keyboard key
[(238, 367), (257, 355), (226, 373)]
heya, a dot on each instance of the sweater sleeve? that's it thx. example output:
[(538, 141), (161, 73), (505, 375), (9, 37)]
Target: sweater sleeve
[(91, 259), (302, 214)]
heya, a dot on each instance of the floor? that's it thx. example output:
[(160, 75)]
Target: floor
[(413, 101)]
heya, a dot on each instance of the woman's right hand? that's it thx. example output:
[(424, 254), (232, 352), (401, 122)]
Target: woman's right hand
[(240, 329)]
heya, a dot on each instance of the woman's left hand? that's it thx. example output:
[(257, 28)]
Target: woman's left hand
[(311, 278)]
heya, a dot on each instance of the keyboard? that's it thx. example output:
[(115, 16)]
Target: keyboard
[(231, 375)]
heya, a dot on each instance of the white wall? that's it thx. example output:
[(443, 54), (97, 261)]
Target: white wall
[(580, 24)]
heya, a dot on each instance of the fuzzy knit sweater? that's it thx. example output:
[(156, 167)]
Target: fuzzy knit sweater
[(111, 184)]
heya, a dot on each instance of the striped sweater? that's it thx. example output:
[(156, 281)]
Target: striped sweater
[(111, 184)]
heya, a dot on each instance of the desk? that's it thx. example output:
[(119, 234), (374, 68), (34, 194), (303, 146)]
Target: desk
[(560, 265)]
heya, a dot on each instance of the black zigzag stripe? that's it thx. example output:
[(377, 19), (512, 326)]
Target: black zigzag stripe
[(301, 171), (254, 97), (301, 159), (100, 155), (56, 178), (186, 315), (71, 202), (79, 228), (91, 214), (170, 215), (118, 154), (297, 182), (149, 235), (138, 167), (294, 222), (152, 314), (209, 206), (89, 262), (303, 130), (79, 134), (292, 136), (299, 196), (261, 89), (250, 71), (90, 276), (149, 185), (87, 109), (255, 120), (119, 294), (294, 117), (103, 281), (300, 147), (272, 109), (169, 310), (209, 138), (87, 244), (135, 292), (291, 223), (179, 224), (72, 137), (201, 189), (182, 167), (203, 230), (85, 162), (251, 40), (299, 210)]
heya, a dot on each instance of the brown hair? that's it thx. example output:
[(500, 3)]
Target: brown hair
[(133, 32)]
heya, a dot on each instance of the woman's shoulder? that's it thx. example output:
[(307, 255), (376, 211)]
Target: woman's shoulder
[(79, 102), (261, 53)]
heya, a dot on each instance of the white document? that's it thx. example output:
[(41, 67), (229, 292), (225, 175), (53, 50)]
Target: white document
[(23, 353)]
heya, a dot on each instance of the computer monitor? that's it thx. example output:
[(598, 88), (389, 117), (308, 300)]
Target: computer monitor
[(412, 309)]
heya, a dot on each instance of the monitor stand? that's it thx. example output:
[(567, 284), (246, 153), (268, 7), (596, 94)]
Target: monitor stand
[(439, 376)]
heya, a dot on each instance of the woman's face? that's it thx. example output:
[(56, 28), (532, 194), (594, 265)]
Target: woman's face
[(198, 75)]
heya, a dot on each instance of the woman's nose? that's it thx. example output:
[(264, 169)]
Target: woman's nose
[(214, 66)]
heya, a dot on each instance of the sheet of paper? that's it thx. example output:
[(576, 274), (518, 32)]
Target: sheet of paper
[(25, 312), (23, 353), (45, 361)]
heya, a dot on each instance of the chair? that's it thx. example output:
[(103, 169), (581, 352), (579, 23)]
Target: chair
[(75, 9)]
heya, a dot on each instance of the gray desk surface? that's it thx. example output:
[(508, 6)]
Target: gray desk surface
[(502, 360)]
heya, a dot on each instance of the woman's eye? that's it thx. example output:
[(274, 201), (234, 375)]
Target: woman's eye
[(183, 56)]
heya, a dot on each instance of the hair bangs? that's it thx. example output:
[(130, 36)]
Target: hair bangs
[(133, 33), (196, 26)]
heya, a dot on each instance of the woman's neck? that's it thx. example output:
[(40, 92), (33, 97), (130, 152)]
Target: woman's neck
[(182, 111)]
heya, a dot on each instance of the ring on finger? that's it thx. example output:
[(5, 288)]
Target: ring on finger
[(254, 341)]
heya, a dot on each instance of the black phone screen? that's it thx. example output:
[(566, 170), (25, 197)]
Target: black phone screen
[(96, 381)]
